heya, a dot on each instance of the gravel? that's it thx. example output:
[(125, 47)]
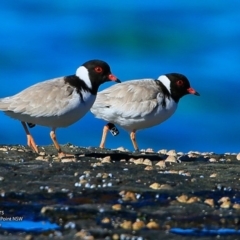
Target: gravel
[(117, 194)]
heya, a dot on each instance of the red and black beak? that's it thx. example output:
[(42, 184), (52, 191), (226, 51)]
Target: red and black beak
[(111, 77), (192, 91)]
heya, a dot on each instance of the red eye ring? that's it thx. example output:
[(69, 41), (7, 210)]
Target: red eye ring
[(180, 82), (98, 69)]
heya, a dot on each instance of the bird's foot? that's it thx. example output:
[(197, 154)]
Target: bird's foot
[(31, 143)]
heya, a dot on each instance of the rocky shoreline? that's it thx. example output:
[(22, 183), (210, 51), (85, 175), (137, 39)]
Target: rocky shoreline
[(117, 194)]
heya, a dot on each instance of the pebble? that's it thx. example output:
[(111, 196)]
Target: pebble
[(138, 161), (139, 224), (84, 235), (160, 186), (212, 160), (66, 160), (117, 207), (147, 162), (182, 199), (163, 151), (105, 220), (42, 158), (3, 149), (106, 159), (236, 206), (172, 153), (152, 225), (155, 186), (122, 149), (149, 150), (226, 204), (171, 159), (161, 164), (193, 200), (213, 175), (46, 208), (128, 196), (127, 225), (210, 202), (148, 168)]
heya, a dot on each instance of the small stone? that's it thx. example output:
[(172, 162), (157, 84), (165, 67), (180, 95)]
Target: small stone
[(122, 149), (224, 199), (66, 160), (226, 204), (128, 196), (138, 161), (172, 153), (212, 160), (46, 208), (3, 149), (147, 162), (155, 186), (115, 236), (42, 153), (238, 156), (117, 207), (96, 164), (106, 159), (29, 237), (182, 199), (149, 150), (41, 158), (106, 220), (236, 206), (165, 187), (105, 175), (161, 164), (127, 225), (171, 159), (192, 155), (163, 151), (138, 225), (84, 235), (210, 202), (148, 168), (152, 225), (213, 175), (193, 200)]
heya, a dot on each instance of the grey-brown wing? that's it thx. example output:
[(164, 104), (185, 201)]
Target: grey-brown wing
[(136, 98), (43, 99)]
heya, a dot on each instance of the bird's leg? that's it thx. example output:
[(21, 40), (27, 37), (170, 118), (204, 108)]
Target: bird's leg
[(104, 135), (108, 127), (133, 138), (30, 140), (61, 154)]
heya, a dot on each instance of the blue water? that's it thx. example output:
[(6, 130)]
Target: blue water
[(45, 39), (27, 225)]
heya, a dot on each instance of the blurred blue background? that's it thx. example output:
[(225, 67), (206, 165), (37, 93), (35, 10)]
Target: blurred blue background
[(46, 39)]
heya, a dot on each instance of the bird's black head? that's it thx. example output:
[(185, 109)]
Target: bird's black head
[(179, 86), (98, 72)]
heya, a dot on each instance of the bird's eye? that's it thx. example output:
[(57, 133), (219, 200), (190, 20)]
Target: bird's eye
[(98, 69), (179, 82)]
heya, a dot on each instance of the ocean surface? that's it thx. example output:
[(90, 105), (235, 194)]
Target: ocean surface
[(139, 39)]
